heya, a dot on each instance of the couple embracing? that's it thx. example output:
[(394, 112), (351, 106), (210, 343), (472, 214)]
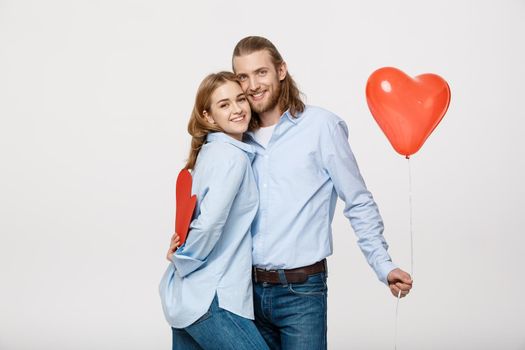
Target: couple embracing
[(267, 171)]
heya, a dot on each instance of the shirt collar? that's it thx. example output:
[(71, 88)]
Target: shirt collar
[(222, 137), (286, 115), (290, 117)]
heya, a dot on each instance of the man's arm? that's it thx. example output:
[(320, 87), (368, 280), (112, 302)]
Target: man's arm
[(360, 207)]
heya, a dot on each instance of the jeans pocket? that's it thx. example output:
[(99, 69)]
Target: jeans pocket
[(314, 285)]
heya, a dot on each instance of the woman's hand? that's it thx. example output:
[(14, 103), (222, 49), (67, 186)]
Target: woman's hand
[(174, 244)]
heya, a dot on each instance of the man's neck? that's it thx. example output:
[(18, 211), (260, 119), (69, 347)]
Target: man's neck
[(270, 118)]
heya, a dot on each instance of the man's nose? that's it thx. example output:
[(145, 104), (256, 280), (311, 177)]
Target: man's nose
[(254, 84)]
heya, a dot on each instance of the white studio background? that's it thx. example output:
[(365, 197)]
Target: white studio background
[(94, 102)]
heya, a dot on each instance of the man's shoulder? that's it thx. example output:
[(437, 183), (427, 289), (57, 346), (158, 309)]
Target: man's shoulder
[(320, 117)]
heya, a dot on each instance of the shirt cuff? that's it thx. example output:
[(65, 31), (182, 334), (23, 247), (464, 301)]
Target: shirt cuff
[(383, 269), (185, 264)]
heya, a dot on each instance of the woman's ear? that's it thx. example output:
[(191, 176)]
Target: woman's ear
[(208, 117)]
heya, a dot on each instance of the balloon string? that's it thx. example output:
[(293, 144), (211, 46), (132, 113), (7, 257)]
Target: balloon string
[(411, 226), (397, 319), (411, 247)]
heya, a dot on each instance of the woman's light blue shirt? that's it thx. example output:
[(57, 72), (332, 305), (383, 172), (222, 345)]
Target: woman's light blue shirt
[(216, 258)]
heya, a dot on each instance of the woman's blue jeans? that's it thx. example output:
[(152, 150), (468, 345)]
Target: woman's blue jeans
[(219, 329)]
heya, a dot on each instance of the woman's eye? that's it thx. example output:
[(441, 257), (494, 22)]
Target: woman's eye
[(242, 99), (224, 105)]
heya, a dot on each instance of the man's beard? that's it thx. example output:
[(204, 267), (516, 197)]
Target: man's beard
[(272, 102)]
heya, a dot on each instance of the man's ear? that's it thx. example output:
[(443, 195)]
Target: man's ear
[(208, 117), (282, 71)]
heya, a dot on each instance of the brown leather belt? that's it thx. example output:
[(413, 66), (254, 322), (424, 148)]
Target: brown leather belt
[(298, 275)]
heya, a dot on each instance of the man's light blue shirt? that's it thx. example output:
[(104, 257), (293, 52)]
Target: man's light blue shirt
[(306, 165), (216, 257)]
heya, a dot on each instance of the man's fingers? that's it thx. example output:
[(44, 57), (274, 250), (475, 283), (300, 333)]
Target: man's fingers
[(403, 277), (403, 286), (399, 287), (398, 275), (394, 288), (407, 279), (395, 291)]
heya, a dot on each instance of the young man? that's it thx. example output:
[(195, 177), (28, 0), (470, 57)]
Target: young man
[(303, 163)]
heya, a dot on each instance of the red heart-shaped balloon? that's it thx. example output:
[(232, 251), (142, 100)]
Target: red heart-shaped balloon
[(407, 109), (185, 204)]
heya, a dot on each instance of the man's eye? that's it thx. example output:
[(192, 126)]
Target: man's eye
[(263, 72), (241, 77)]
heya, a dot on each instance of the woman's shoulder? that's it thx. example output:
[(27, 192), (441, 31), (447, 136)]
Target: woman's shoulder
[(216, 154), (223, 150)]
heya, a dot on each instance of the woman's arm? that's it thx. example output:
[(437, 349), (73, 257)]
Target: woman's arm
[(224, 183)]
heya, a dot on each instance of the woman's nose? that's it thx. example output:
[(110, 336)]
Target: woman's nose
[(236, 108)]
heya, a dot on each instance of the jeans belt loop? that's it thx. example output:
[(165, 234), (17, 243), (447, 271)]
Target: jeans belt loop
[(282, 277)]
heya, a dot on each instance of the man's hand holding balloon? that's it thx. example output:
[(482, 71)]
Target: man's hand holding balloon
[(399, 281)]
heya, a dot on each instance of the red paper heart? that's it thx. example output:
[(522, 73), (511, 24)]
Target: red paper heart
[(407, 109), (185, 204)]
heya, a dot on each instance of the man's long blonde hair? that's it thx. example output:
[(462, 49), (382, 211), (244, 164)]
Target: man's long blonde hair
[(290, 97)]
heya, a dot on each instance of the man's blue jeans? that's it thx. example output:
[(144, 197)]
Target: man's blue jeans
[(292, 315), (221, 330)]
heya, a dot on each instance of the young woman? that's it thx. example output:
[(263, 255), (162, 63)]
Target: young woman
[(206, 292)]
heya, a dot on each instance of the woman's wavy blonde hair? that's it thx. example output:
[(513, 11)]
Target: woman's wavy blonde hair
[(198, 126)]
